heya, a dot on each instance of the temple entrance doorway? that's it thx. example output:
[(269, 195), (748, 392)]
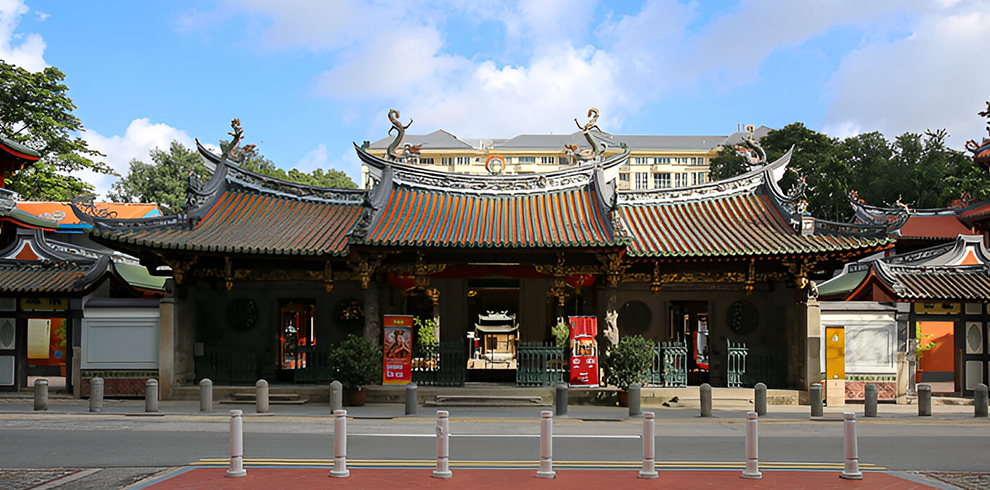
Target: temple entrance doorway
[(493, 329), (296, 338), (689, 324)]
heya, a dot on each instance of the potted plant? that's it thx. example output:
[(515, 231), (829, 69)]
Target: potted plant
[(356, 363), (628, 362)]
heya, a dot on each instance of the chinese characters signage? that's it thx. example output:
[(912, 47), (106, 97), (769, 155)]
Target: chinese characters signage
[(397, 349), (584, 351)]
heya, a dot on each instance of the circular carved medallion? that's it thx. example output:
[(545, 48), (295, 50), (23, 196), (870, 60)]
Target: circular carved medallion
[(634, 318)]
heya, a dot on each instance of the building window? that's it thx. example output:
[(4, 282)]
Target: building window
[(642, 180), (527, 159), (624, 177), (661, 180), (641, 161), (464, 160), (680, 180), (426, 161), (548, 160), (661, 160), (701, 178), (701, 160)]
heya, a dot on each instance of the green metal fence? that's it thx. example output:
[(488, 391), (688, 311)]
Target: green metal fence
[(317, 370), (440, 365), (655, 376), (540, 364), (228, 364), (736, 363), (674, 363)]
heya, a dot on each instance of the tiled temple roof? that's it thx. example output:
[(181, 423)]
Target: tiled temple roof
[(48, 277), (936, 283), (744, 216)]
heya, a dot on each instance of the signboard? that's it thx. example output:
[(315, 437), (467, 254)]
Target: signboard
[(44, 304), (397, 349), (584, 351)]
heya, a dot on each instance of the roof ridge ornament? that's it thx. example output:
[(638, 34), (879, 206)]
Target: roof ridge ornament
[(598, 148), (981, 151), (407, 152), (751, 150)]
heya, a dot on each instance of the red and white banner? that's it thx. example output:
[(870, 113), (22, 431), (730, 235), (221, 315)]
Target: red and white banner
[(397, 349), (584, 351)]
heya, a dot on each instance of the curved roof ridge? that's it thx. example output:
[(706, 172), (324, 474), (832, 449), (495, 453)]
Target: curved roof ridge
[(740, 184), (418, 177)]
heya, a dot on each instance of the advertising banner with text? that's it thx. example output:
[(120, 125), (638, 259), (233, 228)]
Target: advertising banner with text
[(584, 351), (397, 349)]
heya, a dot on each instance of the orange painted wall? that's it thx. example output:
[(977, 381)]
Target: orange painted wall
[(941, 358)]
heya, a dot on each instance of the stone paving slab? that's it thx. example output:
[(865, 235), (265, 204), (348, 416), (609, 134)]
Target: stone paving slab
[(24, 479), (965, 481)]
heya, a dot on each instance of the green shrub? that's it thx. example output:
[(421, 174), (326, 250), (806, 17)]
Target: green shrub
[(356, 362), (629, 362)]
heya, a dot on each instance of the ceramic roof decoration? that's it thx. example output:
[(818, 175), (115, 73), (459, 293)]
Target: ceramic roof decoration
[(981, 151), (33, 264)]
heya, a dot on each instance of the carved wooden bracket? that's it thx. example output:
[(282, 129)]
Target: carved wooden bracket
[(228, 273), (614, 267), (180, 268), (328, 276)]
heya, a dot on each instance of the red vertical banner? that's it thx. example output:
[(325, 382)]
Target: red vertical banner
[(584, 351), (397, 349)]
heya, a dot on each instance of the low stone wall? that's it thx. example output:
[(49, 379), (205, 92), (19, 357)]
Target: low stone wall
[(122, 384)]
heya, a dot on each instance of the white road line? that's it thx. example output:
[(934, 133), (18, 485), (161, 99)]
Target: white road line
[(503, 436)]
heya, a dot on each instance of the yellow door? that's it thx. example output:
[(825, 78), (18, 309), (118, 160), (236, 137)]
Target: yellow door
[(835, 353)]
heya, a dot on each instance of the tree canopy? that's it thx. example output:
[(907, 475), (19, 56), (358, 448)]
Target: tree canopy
[(255, 162), (36, 112), (163, 181), (919, 170)]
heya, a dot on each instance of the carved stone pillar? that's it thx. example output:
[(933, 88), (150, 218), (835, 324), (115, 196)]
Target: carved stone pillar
[(810, 331), (372, 320), (166, 347)]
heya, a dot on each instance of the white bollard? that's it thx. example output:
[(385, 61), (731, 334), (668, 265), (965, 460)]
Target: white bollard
[(546, 446), (236, 469), (752, 470), (649, 448), (851, 471), (340, 445), (443, 445)]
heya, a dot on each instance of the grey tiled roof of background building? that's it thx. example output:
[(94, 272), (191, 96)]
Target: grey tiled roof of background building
[(437, 140)]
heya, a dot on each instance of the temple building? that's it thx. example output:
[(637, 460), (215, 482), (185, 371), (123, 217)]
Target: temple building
[(268, 274)]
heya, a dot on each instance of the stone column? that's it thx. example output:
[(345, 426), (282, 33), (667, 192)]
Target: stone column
[(812, 372), (372, 320), (166, 347)]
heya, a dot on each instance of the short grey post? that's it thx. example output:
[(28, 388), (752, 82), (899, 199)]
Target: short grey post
[(817, 404), (649, 470), (411, 398), (261, 396), (443, 445), (760, 399), (236, 469), (151, 395), (924, 400), (980, 400), (560, 400), (336, 396), (96, 395), (206, 395), (870, 405), (851, 470), (41, 394), (635, 399), (706, 400), (546, 446), (752, 470), (340, 445)]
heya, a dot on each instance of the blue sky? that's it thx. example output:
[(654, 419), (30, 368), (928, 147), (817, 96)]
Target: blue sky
[(307, 78)]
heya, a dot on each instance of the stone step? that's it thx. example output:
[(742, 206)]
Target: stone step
[(273, 398), (486, 401)]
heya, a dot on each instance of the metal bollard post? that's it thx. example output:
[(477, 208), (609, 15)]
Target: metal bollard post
[(635, 399), (649, 448), (96, 395), (706, 400), (760, 399), (924, 400), (206, 395), (41, 394), (870, 405), (851, 471), (752, 470), (980, 400), (236, 469), (817, 406), (560, 400), (411, 398), (151, 395), (340, 445), (443, 445), (261, 396), (546, 446), (336, 396)]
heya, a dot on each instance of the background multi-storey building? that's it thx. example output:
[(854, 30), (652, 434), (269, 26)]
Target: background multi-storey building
[(655, 162)]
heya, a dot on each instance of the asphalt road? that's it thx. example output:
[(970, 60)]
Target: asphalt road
[(102, 441)]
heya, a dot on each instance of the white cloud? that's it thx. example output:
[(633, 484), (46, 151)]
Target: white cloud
[(933, 78), (25, 51), (140, 137), (313, 159)]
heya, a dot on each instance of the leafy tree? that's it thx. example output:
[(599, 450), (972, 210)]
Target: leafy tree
[(726, 164), (35, 111), (163, 181), (255, 162)]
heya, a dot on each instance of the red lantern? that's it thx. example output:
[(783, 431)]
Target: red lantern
[(404, 282), (578, 281)]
